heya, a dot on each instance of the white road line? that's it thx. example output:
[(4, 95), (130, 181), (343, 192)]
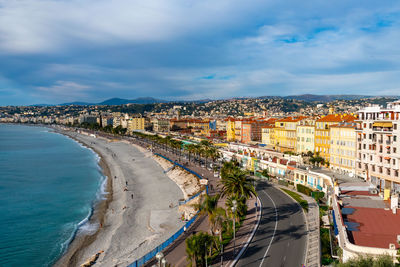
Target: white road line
[(276, 225)]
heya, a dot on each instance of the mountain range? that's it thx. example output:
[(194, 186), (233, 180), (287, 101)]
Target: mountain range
[(151, 100)]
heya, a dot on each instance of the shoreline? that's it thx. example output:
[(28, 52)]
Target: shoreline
[(80, 240), (136, 215)]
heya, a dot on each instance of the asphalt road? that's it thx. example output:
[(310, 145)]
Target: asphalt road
[(281, 237)]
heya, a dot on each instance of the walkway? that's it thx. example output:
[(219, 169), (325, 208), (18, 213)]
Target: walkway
[(175, 254)]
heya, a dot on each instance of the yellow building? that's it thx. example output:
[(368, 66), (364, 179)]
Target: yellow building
[(343, 148), (285, 133), (135, 124), (230, 130), (305, 136), (322, 132)]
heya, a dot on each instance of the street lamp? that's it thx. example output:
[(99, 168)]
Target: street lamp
[(159, 257), (234, 206)]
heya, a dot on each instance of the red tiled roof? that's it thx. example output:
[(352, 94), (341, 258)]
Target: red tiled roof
[(337, 118), (378, 227)]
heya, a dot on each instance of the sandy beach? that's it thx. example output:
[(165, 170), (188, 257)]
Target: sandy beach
[(141, 210)]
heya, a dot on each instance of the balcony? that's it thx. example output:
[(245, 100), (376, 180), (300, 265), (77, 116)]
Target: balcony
[(388, 142), (380, 141), (382, 129)]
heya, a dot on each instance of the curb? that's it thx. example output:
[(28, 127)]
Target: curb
[(250, 238)]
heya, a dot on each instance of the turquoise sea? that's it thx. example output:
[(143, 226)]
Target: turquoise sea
[(48, 187)]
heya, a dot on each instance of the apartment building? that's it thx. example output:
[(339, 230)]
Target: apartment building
[(160, 125), (343, 148), (322, 132), (378, 144), (252, 130), (285, 133), (268, 136), (230, 129), (135, 124), (305, 132)]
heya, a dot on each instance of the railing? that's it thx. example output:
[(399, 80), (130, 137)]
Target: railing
[(161, 247), (170, 240)]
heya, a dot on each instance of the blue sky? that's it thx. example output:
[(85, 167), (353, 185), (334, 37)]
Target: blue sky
[(55, 51)]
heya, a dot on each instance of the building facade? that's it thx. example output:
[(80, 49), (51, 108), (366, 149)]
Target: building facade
[(378, 131), (343, 148)]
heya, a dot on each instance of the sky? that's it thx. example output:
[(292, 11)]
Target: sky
[(57, 51)]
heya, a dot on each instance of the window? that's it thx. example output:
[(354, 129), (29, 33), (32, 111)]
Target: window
[(395, 126)]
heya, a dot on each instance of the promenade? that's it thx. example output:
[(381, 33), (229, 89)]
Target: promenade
[(175, 254)]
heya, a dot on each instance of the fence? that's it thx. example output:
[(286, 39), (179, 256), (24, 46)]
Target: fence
[(161, 247), (170, 240)]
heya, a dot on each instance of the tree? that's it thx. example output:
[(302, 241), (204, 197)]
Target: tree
[(197, 246), (381, 261), (236, 183)]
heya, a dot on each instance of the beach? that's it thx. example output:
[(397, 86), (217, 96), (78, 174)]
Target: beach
[(139, 212)]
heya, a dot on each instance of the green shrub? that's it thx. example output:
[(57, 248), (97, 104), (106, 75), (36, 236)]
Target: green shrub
[(304, 189)]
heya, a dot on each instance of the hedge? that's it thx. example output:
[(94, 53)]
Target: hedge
[(304, 189)]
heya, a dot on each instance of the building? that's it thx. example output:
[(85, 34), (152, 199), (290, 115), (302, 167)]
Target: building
[(106, 120), (230, 130), (135, 124), (285, 133), (322, 132), (378, 131), (305, 136), (160, 125), (343, 148), (268, 136)]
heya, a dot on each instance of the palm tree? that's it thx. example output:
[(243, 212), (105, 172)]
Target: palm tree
[(196, 247), (218, 218), (207, 205), (236, 183), (190, 148)]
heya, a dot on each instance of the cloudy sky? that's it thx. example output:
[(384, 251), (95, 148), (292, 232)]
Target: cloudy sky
[(55, 51)]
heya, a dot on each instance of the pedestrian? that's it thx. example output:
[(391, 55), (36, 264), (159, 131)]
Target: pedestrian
[(126, 182), (132, 196)]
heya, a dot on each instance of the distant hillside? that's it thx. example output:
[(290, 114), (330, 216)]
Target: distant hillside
[(140, 100), (77, 103), (326, 98)]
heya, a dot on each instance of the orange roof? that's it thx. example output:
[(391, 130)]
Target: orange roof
[(291, 119), (337, 118)]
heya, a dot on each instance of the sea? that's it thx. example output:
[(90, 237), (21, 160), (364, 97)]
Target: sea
[(49, 185)]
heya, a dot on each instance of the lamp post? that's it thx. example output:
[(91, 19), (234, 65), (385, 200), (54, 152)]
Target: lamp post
[(159, 257), (234, 207)]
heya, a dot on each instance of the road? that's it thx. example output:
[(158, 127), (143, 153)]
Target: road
[(281, 237)]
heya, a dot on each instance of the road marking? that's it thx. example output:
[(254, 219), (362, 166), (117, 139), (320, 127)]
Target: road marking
[(287, 244), (276, 225)]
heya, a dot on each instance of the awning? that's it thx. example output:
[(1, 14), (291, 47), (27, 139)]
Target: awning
[(382, 124), (386, 158)]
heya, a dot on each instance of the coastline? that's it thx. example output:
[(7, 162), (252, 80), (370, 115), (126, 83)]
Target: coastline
[(80, 240), (133, 218)]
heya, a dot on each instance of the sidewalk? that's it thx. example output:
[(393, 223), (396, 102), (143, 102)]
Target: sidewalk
[(313, 254), (175, 254)]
